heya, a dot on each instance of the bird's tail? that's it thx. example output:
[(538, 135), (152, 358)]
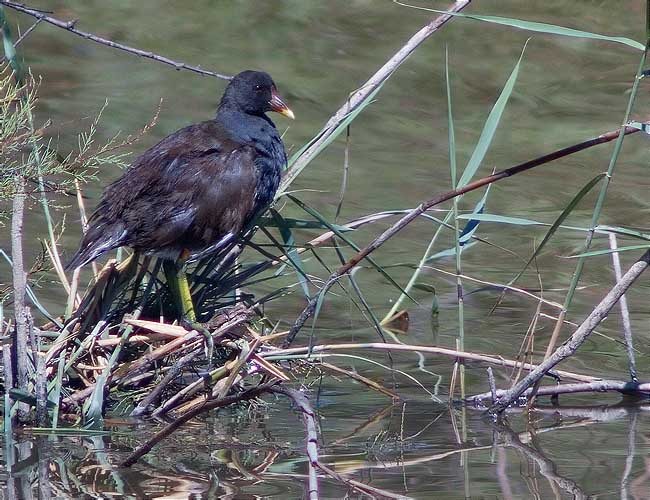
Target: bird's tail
[(95, 243)]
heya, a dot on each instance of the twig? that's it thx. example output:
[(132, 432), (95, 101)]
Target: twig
[(308, 311), (169, 376), (556, 390), (424, 349), (358, 97), (70, 26), (209, 404), (625, 313), (22, 37), (579, 336)]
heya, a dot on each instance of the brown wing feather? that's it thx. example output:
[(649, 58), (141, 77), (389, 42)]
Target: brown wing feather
[(187, 191)]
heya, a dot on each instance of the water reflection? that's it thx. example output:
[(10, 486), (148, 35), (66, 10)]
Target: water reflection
[(407, 448)]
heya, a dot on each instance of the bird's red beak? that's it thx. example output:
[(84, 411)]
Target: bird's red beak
[(278, 105)]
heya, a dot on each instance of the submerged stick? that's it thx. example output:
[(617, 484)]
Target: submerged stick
[(579, 336), (308, 311)]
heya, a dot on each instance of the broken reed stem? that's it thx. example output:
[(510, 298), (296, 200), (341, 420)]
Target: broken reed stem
[(70, 26), (579, 336), (308, 311), (625, 313), (207, 405)]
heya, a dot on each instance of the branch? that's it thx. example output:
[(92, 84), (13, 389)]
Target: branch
[(556, 390), (308, 311), (499, 361), (70, 26), (579, 336)]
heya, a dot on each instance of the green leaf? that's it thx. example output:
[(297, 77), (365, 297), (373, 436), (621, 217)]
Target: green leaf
[(292, 253), (565, 213), (609, 250), (425, 287), (551, 29), (25, 397), (318, 216), (490, 126), (299, 224)]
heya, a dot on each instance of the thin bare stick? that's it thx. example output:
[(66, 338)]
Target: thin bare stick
[(70, 26), (579, 336), (279, 353), (625, 313), (308, 311)]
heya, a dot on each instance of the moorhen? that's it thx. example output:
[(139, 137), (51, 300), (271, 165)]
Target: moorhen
[(197, 188)]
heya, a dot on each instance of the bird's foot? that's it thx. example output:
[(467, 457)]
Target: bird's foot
[(209, 342)]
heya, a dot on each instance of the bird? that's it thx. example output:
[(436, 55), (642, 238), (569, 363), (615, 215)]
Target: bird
[(197, 188)]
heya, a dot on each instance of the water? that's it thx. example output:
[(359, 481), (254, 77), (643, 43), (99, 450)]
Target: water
[(568, 90)]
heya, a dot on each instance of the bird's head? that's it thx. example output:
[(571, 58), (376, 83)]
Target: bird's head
[(254, 92)]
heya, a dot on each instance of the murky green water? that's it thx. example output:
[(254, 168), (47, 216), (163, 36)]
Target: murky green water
[(568, 90)]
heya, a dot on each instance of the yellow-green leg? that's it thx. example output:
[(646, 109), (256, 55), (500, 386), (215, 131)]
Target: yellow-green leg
[(180, 290)]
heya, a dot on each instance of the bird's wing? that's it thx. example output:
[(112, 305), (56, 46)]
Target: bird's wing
[(190, 174)]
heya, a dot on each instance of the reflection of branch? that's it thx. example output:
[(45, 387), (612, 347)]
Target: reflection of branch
[(208, 404), (70, 26), (546, 466), (309, 419), (579, 336)]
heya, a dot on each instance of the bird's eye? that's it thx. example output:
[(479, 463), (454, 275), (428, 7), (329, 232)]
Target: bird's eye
[(258, 87)]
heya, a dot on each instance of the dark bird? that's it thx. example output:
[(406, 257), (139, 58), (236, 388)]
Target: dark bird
[(196, 188)]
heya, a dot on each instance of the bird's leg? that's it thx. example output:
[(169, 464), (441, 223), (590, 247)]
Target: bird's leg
[(180, 290)]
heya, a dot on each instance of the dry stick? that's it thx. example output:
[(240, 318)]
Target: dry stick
[(366, 89), (426, 205), (556, 390), (169, 376), (70, 26), (209, 404), (579, 336), (625, 313), (20, 287), (424, 349)]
